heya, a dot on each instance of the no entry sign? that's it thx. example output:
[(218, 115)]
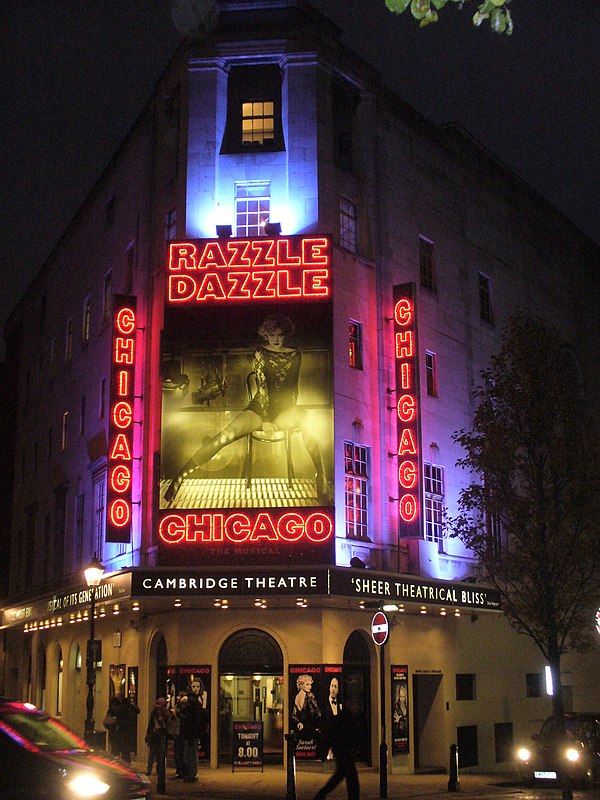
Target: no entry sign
[(380, 628)]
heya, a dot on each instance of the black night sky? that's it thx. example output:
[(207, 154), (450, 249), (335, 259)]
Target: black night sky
[(75, 75)]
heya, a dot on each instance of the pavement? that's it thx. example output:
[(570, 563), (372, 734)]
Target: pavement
[(271, 784)]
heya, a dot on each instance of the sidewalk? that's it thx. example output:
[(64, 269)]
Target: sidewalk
[(252, 784)]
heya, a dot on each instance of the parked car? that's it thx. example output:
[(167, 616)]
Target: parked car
[(41, 758), (553, 752)]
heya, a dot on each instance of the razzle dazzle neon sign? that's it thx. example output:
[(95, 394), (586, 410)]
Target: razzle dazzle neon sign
[(208, 271), (120, 430), (407, 411)]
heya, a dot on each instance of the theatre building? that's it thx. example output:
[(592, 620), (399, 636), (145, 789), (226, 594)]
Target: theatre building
[(238, 375)]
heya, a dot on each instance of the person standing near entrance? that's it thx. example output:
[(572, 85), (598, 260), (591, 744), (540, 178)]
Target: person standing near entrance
[(192, 727), (156, 739), (339, 735)]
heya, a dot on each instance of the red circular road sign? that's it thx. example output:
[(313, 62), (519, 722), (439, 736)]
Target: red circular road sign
[(380, 628)]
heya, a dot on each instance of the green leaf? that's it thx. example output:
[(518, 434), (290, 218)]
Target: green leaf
[(419, 8), (498, 21), (397, 6), (439, 4), (431, 16)]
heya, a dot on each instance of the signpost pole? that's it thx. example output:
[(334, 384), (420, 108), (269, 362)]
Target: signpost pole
[(383, 751)]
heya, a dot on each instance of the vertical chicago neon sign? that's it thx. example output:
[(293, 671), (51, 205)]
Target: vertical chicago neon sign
[(120, 430), (408, 415)]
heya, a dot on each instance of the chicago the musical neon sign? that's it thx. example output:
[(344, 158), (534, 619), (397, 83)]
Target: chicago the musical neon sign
[(407, 411), (240, 527), (206, 271), (120, 432)]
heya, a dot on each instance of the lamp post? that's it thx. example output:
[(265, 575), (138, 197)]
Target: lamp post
[(93, 575)]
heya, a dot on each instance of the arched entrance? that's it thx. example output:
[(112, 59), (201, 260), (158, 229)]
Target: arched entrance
[(357, 691), (251, 689)]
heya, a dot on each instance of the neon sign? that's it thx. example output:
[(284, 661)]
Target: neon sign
[(407, 411), (241, 527), (207, 271), (120, 429)]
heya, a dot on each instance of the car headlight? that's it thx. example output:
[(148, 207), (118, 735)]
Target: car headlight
[(87, 786), (523, 754), (572, 755)]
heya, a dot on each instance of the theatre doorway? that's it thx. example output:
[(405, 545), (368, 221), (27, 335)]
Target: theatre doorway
[(428, 721), (357, 692), (251, 690)]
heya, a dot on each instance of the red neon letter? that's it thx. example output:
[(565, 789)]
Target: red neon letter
[(319, 527), (122, 415), (120, 513), (120, 448), (403, 312), (120, 478), (407, 446), (406, 408), (123, 351), (408, 508), (290, 527), (182, 255), (407, 475), (404, 344), (125, 321), (171, 528), (181, 288)]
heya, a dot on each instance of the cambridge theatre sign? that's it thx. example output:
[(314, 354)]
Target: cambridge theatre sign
[(335, 582)]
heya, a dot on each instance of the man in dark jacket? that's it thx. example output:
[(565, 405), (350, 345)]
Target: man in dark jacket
[(339, 735)]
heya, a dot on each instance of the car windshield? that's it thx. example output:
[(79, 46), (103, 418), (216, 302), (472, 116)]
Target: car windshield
[(39, 730)]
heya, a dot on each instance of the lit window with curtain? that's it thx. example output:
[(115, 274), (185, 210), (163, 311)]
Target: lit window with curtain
[(257, 122), (356, 490), (355, 344)]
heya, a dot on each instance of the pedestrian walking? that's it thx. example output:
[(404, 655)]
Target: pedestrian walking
[(156, 739), (339, 735), (126, 713)]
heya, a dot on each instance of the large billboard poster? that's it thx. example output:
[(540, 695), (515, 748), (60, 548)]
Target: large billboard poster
[(247, 403)]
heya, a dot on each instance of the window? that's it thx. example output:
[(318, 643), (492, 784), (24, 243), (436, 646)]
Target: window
[(534, 684), (431, 373), (252, 207), (347, 224), (99, 486), (434, 503), (49, 443), (355, 344), (466, 740), (426, 264), (486, 312), (257, 122), (69, 341), (356, 489), (465, 686), (253, 110), (170, 225), (65, 429), (106, 294), (85, 320), (82, 416)]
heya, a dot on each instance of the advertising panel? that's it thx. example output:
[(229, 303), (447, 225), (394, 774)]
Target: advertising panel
[(195, 681), (408, 411), (247, 744), (121, 423), (305, 702), (400, 720), (247, 403)]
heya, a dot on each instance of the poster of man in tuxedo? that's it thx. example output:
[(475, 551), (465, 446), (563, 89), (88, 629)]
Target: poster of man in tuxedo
[(400, 719)]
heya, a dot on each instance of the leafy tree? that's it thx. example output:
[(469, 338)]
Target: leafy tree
[(532, 513), (426, 11)]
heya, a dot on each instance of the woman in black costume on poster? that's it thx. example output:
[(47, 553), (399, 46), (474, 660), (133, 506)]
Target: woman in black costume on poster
[(277, 369)]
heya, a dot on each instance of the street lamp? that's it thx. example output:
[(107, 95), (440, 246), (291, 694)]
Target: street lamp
[(93, 575)]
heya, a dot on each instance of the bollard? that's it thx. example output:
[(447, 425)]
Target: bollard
[(291, 766), (453, 781)]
